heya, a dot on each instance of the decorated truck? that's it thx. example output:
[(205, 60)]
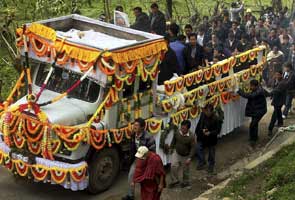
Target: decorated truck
[(85, 82)]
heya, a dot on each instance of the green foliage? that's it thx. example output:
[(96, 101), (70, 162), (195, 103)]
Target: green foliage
[(8, 76), (278, 172)]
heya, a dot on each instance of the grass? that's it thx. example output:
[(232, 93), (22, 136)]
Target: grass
[(277, 174)]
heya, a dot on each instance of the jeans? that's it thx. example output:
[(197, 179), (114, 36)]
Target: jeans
[(276, 116), (201, 155), (253, 129), (178, 164), (288, 104), (130, 180)]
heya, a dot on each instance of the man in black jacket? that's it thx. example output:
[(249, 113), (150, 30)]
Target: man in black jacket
[(278, 95), (158, 21), (142, 22), (256, 108), (168, 66), (231, 43), (208, 128), (139, 138), (289, 77), (193, 54)]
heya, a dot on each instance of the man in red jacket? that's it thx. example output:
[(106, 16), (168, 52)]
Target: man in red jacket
[(149, 172)]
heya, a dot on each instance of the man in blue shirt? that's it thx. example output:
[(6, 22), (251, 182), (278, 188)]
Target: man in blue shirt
[(178, 47)]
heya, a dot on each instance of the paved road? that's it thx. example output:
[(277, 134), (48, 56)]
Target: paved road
[(230, 149)]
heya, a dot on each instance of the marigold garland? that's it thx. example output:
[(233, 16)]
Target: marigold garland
[(41, 173)]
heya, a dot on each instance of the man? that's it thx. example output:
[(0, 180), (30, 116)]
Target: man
[(142, 22), (291, 56), (275, 58), (208, 128), (149, 172), (273, 39), (202, 38), (249, 19), (182, 145), (235, 10), (212, 45), (289, 77), (139, 138), (256, 108), (286, 47), (261, 30), (226, 24), (168, 66), (178, 47), (236, 31), (188, 30), (158, 21), (278, 95), (245, 43), (119, 8), (231, 43), (194, 54)]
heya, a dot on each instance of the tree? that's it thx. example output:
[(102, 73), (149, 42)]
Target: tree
[(169, 6)]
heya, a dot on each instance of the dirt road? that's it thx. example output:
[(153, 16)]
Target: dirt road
[(230, 149)]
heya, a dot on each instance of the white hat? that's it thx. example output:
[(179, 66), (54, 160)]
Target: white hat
[(248, 10), (141, 152)]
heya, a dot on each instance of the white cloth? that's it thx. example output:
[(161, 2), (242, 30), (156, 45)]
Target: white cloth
[(200, 39), (95, 39)]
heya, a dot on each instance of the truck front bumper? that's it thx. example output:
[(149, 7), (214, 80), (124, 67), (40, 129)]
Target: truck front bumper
[(70, 176)]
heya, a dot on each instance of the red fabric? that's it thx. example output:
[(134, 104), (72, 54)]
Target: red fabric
[(147, 173)]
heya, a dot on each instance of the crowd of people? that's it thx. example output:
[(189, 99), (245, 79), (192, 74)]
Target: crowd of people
[(233, 31)]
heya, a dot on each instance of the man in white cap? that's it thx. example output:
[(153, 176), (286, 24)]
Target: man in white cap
[(149, 172)]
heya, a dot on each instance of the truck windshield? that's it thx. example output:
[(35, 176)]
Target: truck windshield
[(63, 79)]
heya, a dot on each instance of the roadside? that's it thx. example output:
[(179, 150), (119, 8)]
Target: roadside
[(274, 179)]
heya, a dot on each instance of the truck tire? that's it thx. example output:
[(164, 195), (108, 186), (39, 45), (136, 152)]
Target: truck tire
[(103, 169)]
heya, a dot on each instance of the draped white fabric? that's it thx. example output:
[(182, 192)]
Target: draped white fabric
[(234, 116)]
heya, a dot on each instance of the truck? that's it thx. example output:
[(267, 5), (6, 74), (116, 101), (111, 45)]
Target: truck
[(68, 119)]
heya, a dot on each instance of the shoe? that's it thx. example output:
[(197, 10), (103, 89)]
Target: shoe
[(270, 133), (201, 167), (127, 197), (284, 116), (173, 185), (186, 185), (210, 170), (252, 144)]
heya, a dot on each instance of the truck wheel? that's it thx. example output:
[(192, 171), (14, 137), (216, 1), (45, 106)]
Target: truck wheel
[(103, 169)]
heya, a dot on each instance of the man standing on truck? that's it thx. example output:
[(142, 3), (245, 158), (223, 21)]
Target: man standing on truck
[(142, 21), (157, 19), (139, 138)]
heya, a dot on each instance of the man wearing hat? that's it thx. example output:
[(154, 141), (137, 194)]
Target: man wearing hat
[(149, 172), (249, 19)]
